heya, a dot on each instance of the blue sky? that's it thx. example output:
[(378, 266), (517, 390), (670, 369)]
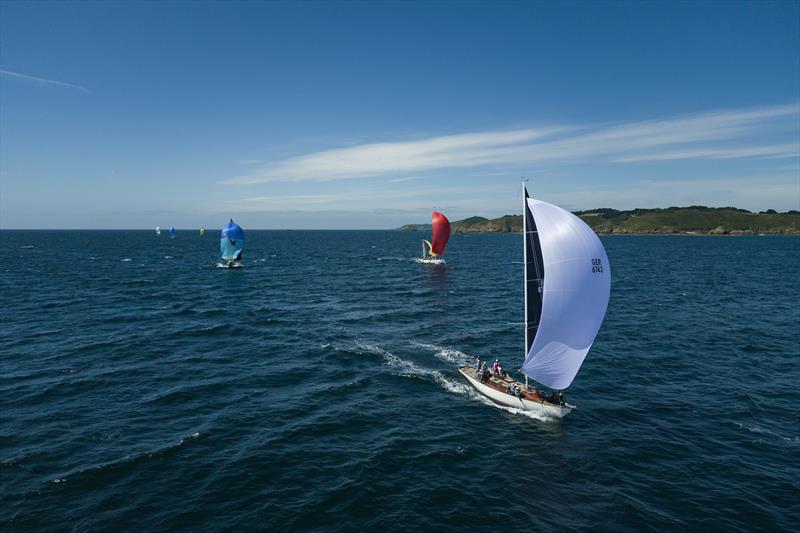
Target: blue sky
[(368, 115)]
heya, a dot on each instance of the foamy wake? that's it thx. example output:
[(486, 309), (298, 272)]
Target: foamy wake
[(407, 368), (534, 415), (450, 355)]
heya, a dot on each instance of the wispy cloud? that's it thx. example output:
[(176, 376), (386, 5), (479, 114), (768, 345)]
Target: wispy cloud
[(713, 135), (370, 198), (451, 151), (779, 150), (42, 81)]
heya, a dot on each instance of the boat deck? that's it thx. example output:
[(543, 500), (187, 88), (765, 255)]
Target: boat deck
[(502, 384)]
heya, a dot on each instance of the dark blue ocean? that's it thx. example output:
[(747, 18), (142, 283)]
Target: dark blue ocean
[(143, 388)]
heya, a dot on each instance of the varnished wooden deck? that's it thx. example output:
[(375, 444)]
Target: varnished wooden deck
[(502, 384)]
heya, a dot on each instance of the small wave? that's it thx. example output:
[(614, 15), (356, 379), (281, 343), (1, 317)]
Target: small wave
[(127, 259), (768, 432), (126, 460), (27, 246), (396, 259), (51, 305), (138, 281), (168, 257), (215, 330)]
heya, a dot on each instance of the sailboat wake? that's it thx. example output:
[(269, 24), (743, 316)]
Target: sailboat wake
[(534, 415), (449, 355), (407, 368)]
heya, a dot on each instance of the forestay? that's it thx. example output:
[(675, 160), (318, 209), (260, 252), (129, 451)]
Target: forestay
[(576, 288)]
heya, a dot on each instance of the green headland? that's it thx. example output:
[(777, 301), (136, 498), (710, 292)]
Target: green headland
[(694, 220)]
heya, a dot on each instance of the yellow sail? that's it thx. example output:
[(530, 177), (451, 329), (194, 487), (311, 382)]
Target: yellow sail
[(430, 248), (202, 231)]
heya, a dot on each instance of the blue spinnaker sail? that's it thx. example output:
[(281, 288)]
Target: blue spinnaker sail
[(171, 233), (231, 242)]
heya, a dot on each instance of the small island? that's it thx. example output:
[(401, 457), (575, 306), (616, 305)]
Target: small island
[(693, 220)]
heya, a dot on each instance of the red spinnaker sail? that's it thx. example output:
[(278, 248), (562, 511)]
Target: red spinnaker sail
[(441, 233)]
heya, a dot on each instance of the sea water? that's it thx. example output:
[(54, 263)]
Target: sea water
[(142, 387)]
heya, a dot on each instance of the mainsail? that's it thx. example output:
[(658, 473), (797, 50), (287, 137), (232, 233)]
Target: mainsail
[(440, 233), (567, 287), (158, 230), (231, 242)]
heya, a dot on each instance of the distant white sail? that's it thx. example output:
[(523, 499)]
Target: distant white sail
[(576, 284)]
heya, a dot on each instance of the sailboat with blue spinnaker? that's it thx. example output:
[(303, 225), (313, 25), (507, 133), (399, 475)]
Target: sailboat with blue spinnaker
[(231, 244)]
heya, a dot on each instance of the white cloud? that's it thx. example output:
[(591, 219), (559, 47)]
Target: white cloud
[(368, 199), (713, 135), (774, 151), (42, 81), (452, 151)]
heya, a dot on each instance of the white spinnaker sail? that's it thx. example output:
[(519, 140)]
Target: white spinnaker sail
[(577, 285)]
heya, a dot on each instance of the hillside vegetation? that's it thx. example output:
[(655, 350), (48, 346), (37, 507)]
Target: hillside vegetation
[(694, 220)]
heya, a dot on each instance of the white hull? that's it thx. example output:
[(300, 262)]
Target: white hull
[(428, 261), (510, 400)]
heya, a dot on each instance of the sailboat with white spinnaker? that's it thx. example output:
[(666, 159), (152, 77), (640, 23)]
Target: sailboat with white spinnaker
[(567, 284)]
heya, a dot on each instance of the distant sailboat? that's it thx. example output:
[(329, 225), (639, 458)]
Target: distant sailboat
[(202, 231), (158, 230), (440, 234), (567, 283), (231, 243), (171, 233)]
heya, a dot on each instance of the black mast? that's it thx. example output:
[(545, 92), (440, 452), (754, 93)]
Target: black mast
[(534, 274)]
